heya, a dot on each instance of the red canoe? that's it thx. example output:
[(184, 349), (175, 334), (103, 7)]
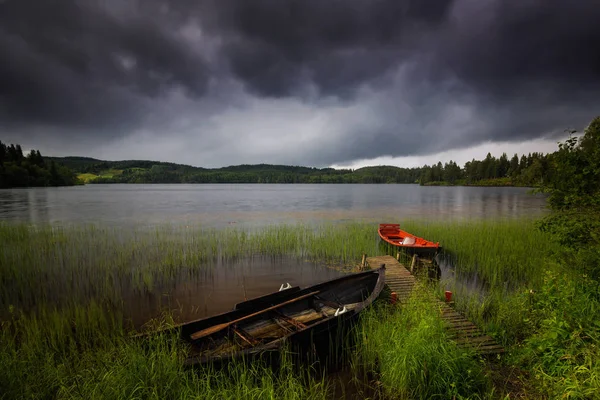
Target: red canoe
[(395, 236)]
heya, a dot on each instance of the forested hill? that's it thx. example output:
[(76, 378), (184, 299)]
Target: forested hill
[(91, 170), (527, 170)]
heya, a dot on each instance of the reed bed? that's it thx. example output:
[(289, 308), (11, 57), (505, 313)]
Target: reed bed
[(503, 253), (63, 333), (56, 364), (61, 265)]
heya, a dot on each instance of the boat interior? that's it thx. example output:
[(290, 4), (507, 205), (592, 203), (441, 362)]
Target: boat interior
[(299, 311)]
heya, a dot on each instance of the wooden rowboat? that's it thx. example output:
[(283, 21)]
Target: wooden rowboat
[(296, 316), (392, 234)]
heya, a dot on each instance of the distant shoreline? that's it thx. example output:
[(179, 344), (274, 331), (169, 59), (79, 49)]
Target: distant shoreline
[(529, 171), (501, 182), (300, 183)]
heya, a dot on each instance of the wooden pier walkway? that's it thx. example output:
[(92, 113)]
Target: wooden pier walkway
[(463, 332)]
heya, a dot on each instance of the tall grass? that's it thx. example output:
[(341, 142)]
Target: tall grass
[(63, 334), (415, 358), (48, 357), (58, 265), (503, 253)]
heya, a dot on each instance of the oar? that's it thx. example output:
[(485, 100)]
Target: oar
[(217, 328)]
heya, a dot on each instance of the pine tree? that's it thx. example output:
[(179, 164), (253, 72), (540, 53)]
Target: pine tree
[(3, 154)]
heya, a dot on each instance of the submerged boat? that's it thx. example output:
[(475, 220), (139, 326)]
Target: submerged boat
[(392, 234), (296, 316)]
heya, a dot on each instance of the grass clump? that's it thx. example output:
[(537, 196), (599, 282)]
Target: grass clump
[(563, 350), (414, 355), (75, 357)]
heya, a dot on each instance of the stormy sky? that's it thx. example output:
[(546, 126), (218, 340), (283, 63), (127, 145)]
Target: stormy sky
[(309, 82)]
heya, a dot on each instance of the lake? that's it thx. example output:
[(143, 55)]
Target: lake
[(255, 205)]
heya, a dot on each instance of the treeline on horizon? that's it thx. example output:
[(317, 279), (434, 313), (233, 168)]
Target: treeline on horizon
[(528, 170), (533, 169), (161, 172), (18, 170)]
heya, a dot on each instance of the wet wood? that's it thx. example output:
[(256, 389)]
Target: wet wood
[(289, 320), (286, 328), (413, 263), (217, 328), (462, 331), (245, 336)]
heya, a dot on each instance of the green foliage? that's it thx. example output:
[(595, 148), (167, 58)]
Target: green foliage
[(575, 183), (563, 352), (63, 333), (16, 170), (574, 196), (415, 357), (65, 265)]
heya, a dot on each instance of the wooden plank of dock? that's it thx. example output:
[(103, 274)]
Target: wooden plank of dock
[(462, 331)]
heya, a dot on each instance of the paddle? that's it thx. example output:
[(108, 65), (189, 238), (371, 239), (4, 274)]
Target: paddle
[(217, 328)]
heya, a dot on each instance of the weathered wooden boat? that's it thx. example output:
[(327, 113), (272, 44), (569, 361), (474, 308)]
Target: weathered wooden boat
[(392, 234), (295, 316)]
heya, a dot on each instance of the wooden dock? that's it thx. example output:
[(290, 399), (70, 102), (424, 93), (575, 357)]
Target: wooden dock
[(463, 332)]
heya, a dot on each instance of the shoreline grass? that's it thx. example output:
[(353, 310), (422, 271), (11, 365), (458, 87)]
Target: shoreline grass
[(415, 357), (63, 333)]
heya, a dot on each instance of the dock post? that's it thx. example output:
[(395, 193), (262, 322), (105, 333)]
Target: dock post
[(413, 264), (363, 262)]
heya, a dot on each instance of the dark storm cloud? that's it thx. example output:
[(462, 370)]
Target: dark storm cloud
[(457, 73), (550, 40), (73, 63), (276, 47), (489, 45)]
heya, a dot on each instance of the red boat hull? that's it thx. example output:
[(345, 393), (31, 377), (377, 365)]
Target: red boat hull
[(392, 234)]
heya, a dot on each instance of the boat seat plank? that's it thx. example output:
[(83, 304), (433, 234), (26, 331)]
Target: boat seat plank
[(244, 336), (289, 320)]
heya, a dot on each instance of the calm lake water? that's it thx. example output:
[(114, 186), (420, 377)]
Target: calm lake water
[(216, 290), (255, 205)]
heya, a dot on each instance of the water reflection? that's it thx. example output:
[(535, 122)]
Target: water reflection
[(204, 292), (461, 284), (29, 205), (259, 205)]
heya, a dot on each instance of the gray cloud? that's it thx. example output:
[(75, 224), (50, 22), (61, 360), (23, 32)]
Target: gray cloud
[(73, 64), (307, 82)]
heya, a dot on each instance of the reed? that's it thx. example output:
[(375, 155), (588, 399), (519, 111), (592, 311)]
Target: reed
[(63, 333), (414, 356), (503, 253), (50, 362), (541, 306), (58, 265)]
